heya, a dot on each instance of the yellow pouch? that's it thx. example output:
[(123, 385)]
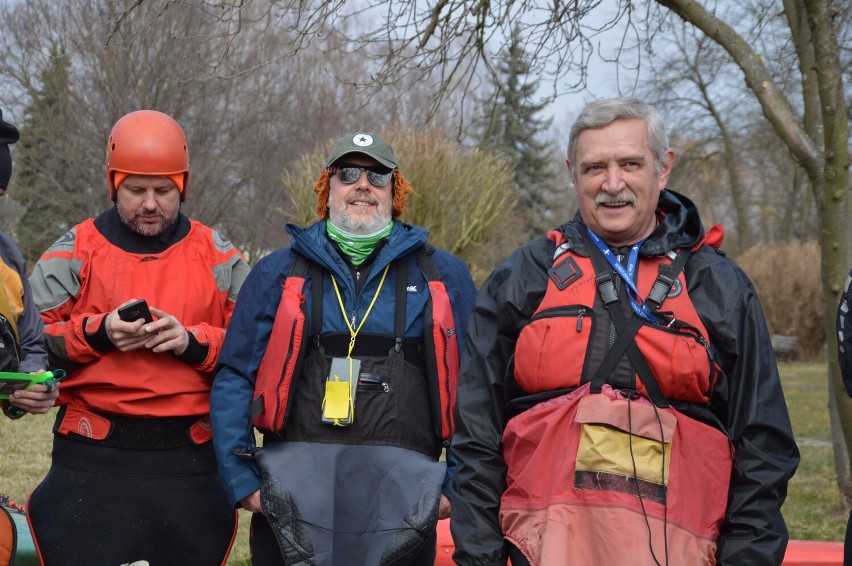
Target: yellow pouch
[(338, 403)]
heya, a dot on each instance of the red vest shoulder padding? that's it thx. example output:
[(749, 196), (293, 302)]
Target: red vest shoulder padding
[(445, 348), (278, 364)]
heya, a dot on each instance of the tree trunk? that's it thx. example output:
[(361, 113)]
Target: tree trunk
[(824, 157)]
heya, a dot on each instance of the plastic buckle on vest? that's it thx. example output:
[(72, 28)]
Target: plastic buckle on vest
[(658, 293), (397, 346), (245, 454), (607, 288)]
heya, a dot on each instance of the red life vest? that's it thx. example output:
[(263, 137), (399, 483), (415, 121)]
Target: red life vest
[(553, 350), (287, 342), (607, 465)]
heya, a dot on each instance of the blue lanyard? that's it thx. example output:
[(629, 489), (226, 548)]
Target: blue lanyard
[(636, 303)]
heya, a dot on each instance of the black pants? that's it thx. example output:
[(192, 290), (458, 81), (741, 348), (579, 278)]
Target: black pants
[(104, 505), (517, 557), (265, 552)]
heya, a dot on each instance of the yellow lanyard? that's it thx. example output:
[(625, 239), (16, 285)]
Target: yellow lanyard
[(354, 332)]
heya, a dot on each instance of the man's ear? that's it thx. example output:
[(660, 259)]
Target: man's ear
[(668, 163), (571, 175)]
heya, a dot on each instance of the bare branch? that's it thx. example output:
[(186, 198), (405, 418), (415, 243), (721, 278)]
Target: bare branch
[(775, 105)]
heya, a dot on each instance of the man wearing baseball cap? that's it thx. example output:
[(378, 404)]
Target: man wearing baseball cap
[(343, 352), (21, 328)]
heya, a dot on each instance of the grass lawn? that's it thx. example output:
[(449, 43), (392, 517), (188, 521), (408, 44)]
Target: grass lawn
[(813, 509)]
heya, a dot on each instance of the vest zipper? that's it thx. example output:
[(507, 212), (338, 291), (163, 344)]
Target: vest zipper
[(372, 382), (711, 384), (563, 311), (446, 334)]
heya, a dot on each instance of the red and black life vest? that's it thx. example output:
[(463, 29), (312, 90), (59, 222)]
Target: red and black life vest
[(288, 341), (554, 351), (599, 462)]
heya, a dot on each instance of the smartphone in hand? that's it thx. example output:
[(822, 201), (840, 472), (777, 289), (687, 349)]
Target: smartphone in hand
[(135, 311)]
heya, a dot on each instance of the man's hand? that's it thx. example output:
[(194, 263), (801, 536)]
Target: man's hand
[(37, 399), (252, 502), (169, 334), (444, 507), (166, 334)]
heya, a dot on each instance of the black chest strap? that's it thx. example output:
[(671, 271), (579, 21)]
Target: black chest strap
[(616, 305)]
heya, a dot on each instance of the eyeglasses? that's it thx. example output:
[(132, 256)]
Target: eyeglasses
[(347, 173)]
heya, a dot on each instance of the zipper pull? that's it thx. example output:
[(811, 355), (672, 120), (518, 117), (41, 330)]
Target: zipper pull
[(703, 341), (580, 316)]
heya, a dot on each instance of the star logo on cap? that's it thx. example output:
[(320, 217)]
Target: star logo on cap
[(362, 140)]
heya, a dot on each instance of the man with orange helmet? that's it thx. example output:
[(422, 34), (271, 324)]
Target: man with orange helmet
[(133, 476)]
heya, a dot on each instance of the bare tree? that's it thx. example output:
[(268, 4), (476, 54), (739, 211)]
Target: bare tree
[(819, 139), (244, 125), (692, 83), (784, 208)]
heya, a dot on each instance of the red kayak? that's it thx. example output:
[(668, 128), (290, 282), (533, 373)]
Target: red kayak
[(799, 552)]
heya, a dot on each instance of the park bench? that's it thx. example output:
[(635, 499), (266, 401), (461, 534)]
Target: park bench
[(785, 346)]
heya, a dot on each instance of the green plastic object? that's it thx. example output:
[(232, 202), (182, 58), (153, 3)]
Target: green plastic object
[(12, 381)]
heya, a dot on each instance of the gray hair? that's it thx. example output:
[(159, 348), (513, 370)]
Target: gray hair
[(602, 112)]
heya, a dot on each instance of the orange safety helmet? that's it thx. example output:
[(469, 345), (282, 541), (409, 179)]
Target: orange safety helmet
[(147, 142)]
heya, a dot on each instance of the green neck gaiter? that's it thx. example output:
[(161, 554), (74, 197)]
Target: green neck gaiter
[(356, 247)]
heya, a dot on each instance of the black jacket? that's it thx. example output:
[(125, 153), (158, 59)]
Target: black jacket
[(844, 334), (748, 401)]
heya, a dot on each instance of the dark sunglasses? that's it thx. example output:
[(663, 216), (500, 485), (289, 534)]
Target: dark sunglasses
[(377, 175)]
